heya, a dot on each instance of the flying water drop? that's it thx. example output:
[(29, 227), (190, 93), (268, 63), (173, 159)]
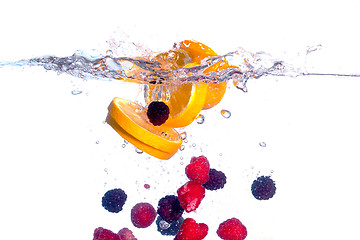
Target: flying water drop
[(226, 113), (200, 119), (76, 92)]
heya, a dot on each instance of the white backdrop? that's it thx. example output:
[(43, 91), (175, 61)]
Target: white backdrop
[(58, 157)]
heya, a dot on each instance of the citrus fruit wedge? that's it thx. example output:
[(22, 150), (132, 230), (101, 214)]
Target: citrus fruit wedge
[(131, 117), (198, 51), (140, 145), (185, 101)]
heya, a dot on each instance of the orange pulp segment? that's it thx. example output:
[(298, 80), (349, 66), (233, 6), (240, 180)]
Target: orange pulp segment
[(131, 117), (134, 141)]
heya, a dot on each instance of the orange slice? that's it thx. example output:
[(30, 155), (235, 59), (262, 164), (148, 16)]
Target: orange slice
[(197, 50), (184, 100), (131, 117), (140, 145)]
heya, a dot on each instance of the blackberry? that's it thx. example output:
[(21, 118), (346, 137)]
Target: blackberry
[(113, 200), (263, 188), (169, 208), (217, 180), (158, 113), (168, 229)]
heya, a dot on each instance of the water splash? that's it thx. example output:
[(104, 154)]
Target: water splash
[(162, 68)]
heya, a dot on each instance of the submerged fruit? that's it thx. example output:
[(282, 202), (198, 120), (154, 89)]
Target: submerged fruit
[(143, 215), (114, 200), (263, 188), (130, 121)]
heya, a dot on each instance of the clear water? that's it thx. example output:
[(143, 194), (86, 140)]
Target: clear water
[(266, 135)]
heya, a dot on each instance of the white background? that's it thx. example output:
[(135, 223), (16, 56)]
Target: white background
[(58, 157)]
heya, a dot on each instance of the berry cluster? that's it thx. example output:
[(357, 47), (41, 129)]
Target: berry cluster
[(171, 207)]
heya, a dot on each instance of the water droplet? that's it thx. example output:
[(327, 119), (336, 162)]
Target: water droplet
[(76, 92), (194, 144), (109, 53), (97, 142), (125, 141), (164, 225), (200, 119), (183, 136), (124, 145), (182, 147), (106, 170), (262, 144), (185, 141), (226, 113), (138, 151)]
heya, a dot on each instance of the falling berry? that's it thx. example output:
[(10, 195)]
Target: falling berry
[(157, 112), (114, 200), (217, 180), (168, 229), (169, 208), (263, 188), (143, 215)]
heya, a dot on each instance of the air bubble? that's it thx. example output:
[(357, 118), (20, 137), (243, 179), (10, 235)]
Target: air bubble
[(164, 225), (183, 136), (262, 144), (226, 113), (124, 145), (76, 92), (97, 142), (138, 151), (200, 119), (182, 147), (109, 53)]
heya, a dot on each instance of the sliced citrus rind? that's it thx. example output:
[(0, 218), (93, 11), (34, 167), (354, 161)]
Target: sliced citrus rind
[(140, 145), (184, 111), (132, 118), (185, 101)]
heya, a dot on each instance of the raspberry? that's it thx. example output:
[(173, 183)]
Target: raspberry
[(217, 180), (143, 215), (190, 230), (198, 169), (104, 234), (169, 208), (232, 229), (263, 188), (168, 229), (113, 200), (190, 195), (126, 234), (158, 113)]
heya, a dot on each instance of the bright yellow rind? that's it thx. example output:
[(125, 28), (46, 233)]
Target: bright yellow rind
[(132, 118)]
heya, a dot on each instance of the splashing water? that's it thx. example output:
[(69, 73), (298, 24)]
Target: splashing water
[(146, 70), (246, 65)]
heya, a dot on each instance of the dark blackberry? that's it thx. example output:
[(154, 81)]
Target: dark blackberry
[(158, 113), (169, 208), (263, 188), (217, 180), (113, 200), (168, 229)]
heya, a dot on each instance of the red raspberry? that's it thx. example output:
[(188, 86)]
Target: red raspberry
[(190, 195), (190, 230), (198, 169), (143, 215), (232, 229), (105, 234), (126, 234), (158, 113)]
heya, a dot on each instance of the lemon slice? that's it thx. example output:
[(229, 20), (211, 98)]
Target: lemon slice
[(184, 100), (131, 117), (140, 145)]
